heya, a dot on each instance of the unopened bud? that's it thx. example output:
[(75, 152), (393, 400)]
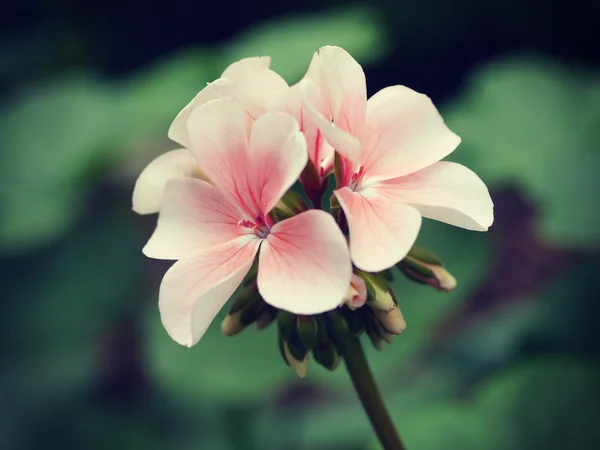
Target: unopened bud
[(286, 323), (378, 292), (327, 355), (307, 331), (392, 321), (357, 293), (266, 317), (338, 328), (244, 310), (422, 266), (300, 367)]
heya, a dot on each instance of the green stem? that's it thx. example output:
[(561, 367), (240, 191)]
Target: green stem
[(370, 397)]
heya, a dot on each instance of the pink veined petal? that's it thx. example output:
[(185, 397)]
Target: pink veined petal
[(195, 289), (448, 192), (404, 133), (150, 185), (178, 131), (304, 264), (194, 216), (241, 68), (382, 228), (254, 175), (343, 142), (346, 89)]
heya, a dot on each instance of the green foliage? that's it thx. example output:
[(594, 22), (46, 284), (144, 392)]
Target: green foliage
[(534, 123)]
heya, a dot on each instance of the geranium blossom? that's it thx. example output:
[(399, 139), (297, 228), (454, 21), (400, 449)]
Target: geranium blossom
[(390, 175), (215, 230), (251, 82)]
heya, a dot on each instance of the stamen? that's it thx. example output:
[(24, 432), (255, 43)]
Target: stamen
[(259, 226), (357, 178)]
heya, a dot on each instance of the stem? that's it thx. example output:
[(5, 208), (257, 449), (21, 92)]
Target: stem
[(370, 397)]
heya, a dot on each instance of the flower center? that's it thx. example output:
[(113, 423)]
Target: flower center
[(357, 178), (259, 226)]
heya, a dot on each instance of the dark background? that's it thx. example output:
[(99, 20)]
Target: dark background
[(509, 360)]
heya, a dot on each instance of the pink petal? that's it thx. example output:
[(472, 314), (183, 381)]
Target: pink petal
[(150, 185), (254, 175), (194, 216), (194, 290), (346, 89), (241, 68), (178, 131), (382, 228), (447, 192), (404, 133), (304, 264)]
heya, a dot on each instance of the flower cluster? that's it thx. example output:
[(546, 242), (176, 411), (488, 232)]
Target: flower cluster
[(228, 214)]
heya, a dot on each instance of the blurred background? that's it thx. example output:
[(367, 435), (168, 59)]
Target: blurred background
[(510, 360)]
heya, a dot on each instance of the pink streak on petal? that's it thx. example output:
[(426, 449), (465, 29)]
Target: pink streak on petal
[(382, 228), (304, 264), (447, 192), (404, 133), (194, 216), (254, 175), (195, 289)]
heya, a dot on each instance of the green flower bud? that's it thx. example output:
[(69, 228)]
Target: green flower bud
[(338, 328), (422, 266), (354, 319), (244, 310), (266, 317), (327, 355), (307, 331), (286, 322), (300, 367), (378, 291)]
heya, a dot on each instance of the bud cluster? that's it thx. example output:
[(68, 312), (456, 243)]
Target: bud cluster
[(326, 335)]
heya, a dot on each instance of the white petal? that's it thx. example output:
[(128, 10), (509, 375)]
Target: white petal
[(447, 192), (178, 131), (404, 133), (150, 185), (194, 290), (244, 66)]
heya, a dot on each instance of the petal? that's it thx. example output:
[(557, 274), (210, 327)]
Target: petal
[(194, 290), (346, 89), (448, 192), (382, 228), (244, 66), (254, 175), (342, 141), (150, 185), (194, 216), (178, 131), (319, 152), (258, 90), (405, 133), (304, 264)]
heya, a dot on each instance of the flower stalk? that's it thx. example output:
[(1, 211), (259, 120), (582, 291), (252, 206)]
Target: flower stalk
[(370, 397)]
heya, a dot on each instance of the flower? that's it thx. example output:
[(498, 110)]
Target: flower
[(214, 231), (389, 174), (251, 82), (357, 293)]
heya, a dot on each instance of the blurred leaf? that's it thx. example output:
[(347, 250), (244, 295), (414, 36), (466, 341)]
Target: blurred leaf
[(535, 123), (549, 404), (291, 42), (53, 136), (61, 306)]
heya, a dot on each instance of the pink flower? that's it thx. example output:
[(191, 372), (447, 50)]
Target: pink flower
[(357, 293), (390, 176), (249, 81), (215, 231)]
